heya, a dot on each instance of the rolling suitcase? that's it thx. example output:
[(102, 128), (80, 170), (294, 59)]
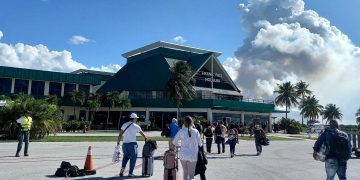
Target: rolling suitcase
[(171, 165), (147, 166)]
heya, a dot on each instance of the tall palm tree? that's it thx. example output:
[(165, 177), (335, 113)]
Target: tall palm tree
[(77, 97), (357, 114), (302, 90), (179, 86), (331, 112), (112, 99), (93, 104), (287, 96), (310, 108), (124, 103)]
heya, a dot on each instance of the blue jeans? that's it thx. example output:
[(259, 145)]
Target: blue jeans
[(232, 144), (24, 136), (334, 166), (130, 152), (258, 146)]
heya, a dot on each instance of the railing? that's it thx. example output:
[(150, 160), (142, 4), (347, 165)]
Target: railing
[(258, 101), (355, 139)]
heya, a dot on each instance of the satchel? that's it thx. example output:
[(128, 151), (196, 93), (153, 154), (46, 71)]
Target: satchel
[(117, 154), (321, 155)]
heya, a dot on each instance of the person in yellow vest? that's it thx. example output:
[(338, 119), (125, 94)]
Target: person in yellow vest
[(25, 122)]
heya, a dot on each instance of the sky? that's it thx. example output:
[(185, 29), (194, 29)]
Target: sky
[(264, 42)]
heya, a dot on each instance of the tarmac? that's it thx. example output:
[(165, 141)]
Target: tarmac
[(281, 160)]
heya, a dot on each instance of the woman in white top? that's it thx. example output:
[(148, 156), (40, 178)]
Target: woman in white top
[(190, 143)]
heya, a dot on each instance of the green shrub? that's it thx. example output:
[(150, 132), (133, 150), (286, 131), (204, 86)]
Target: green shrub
[(291, 126)]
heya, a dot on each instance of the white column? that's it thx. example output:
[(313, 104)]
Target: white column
[(29, 87), (46, 89), (90, 88), (77, 87), (270, 123), (209, 115), (242, 119), (62, 89), (147, 115), (12, 85)]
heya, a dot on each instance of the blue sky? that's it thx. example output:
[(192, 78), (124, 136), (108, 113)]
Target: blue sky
[(115, 27), (93, 34)]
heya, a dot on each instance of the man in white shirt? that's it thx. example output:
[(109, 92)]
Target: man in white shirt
[(129, 131), (25, 122)]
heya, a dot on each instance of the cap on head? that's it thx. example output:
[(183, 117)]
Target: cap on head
[(133, 116), (174, 120)]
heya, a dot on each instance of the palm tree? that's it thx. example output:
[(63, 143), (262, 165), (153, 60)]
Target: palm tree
[(93, 104), (112, 99), (310, 108), (358, 116), (124, 103), (331, 112), (77, 97), (52, 99), (287, 96), (302, 90), (179, 86)]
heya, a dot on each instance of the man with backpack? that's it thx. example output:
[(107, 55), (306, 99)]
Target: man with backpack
[(220, 131), (259, 135), (338, 150)]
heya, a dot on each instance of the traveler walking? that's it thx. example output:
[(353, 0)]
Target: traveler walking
[(220, 132), (25, 122), (174, 128), (259, 134), (129, 131), (199, 127), (190, 143), (338, 148), (208, 133), (232, 140)]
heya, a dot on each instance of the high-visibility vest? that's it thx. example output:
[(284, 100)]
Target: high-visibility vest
[(26, 126)]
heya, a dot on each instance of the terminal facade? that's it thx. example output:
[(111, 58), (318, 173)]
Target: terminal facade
[(143, 80)]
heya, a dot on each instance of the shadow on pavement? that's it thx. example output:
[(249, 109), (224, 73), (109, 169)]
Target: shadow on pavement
[(6, 156)]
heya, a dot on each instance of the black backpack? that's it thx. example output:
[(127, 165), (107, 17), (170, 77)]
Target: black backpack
[(208, 132), (217, 130), (166, 132), (199, 128), (339, 146)]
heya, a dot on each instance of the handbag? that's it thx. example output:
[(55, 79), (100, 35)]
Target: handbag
[(117, 154), (265, 142), (321, 155)]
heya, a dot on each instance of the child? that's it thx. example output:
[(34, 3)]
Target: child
[(232, 140)]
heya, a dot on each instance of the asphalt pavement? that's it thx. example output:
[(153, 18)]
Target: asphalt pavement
[(282, 160)]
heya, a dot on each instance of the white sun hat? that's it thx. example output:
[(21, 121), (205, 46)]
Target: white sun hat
[(133, 115)]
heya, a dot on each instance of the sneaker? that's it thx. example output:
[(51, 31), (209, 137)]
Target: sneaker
[(26, 154), (17, 155), (121, 173), (131, 175), (258, 153)]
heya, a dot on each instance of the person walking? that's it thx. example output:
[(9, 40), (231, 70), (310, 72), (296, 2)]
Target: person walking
[(338, 147), (220, 132), (259, 134), (25, 122), (232, 140), (208, 133), (129, 131), (174, 128), (190, 143), (199, 127)]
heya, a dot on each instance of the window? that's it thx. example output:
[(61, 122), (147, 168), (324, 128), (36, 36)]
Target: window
[(21, 86), (84, 88), (69, 88), (5, 85), (37, 88), (55, 88)]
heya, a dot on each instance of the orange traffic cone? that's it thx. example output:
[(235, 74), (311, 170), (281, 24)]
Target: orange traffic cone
[(88, 162)]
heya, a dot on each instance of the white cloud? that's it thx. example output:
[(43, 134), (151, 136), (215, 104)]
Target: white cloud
[(179, 39), (78, 39), (40, 57), (285, 42), (1, 34), (108, 68)]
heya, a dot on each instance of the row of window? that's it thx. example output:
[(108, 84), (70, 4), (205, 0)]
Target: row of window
[(38, 87)]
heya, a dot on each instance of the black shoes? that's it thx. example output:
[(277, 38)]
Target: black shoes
[(17, 155), (26, 154)]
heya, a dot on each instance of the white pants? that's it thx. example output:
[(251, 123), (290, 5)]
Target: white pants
[(189, 169)]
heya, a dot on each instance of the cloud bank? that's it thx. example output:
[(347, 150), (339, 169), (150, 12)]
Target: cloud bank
[(78, 40), (40, 57), (285, 42)]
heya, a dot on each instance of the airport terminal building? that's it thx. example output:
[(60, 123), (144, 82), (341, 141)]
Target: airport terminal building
[(143, 80)]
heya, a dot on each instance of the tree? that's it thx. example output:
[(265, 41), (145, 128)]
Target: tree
[(310, 108), (331, 112), (179, 86), (287, 95), (77, 98), (357, 114), (52, 99), (112, 99), (93, 104), (302, 90), (124, 103)]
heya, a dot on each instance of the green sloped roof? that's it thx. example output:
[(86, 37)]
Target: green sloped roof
[(39, 75), (150, 73)]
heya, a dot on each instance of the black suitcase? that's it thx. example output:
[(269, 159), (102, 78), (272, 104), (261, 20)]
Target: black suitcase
[(147, 166)]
